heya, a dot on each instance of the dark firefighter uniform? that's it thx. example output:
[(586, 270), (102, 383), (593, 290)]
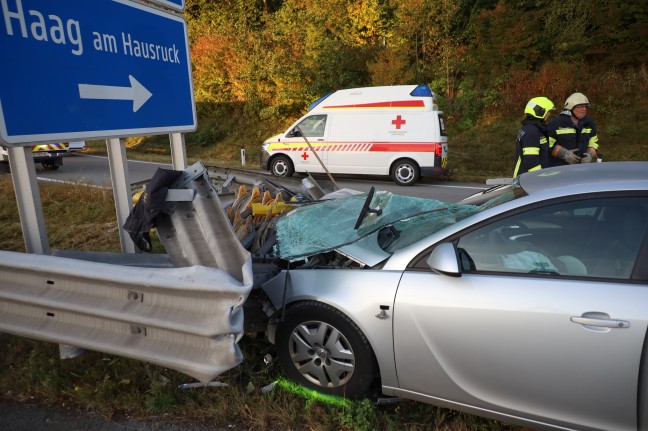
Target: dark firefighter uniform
[(532, 143), (564, 133), (532, 147)]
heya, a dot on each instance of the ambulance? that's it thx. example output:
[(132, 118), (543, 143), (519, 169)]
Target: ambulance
[(393, 130)]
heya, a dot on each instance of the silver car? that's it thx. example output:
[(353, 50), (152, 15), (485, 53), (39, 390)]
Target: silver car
[(528, 304)]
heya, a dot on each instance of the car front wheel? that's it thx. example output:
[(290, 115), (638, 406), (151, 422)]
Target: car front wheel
[(321, 348)]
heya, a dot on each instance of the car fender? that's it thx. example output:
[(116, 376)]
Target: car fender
[(357, 293)]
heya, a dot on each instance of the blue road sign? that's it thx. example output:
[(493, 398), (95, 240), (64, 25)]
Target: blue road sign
[(171, 4), (79, 69)]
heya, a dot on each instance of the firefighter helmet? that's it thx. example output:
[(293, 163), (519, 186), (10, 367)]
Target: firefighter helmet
[(538, 107), (576, 99)]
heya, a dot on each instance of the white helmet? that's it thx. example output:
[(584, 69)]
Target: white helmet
[(576, 99)]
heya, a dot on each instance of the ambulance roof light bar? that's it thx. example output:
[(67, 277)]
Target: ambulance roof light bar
[(422, 91)]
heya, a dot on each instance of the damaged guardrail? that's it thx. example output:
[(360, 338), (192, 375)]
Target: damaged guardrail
[(188, 319)]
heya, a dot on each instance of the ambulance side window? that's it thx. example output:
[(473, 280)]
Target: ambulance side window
[(442, 128), (312, 126)]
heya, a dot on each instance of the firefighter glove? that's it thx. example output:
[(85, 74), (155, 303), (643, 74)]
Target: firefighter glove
[(569, 156), (589, 157)]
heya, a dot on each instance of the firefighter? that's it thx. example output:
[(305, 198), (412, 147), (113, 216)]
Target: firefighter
[(532, 143), (572, 134)]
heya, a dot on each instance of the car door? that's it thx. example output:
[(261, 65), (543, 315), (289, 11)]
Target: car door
[(544, 323), (304, 156)]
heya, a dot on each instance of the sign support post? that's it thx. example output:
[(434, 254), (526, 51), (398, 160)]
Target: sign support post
[(121, 189), (178, 152), (28, 199)]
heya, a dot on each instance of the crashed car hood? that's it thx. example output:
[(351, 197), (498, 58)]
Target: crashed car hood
[(331, 225)]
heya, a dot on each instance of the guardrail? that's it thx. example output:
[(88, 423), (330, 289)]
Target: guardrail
[(188, 319)]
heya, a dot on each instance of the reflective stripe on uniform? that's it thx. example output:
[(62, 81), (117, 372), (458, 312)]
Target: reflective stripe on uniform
[(593, 142), (530, 151), (535, 168), (517, 167), (566, 131)]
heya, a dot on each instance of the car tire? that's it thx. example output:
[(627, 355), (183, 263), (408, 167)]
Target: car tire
[(405, 172), (50, 166), (281, 166), (321, 348)]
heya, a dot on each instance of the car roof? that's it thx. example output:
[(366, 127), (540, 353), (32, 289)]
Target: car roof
[(544, 185), (587, 177)]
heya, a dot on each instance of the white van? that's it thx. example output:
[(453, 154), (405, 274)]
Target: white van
[(395, 130)]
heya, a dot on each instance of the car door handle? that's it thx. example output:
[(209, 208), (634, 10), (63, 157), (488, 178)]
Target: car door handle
[(601, 323)]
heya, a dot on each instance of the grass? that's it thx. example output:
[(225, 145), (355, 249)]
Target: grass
[(31, 371), (116, 387), (77, 218)]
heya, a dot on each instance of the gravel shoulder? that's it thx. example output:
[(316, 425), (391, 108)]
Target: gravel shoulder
[(19, 416)]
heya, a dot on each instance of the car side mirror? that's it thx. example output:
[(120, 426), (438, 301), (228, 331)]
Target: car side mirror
[(294, 133), (443, 260)]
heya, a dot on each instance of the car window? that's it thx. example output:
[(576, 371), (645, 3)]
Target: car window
[(313, 126), (587, 238)]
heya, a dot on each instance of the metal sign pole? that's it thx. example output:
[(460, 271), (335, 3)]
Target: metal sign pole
[(178, 151), (28, 198), (121, 189), (318, 158)]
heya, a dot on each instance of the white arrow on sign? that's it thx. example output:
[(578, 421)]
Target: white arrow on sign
[(136, 92)]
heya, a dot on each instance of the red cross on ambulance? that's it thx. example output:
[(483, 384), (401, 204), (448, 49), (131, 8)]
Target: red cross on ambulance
[(398, 122)]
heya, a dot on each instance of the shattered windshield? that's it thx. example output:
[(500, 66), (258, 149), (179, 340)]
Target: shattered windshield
[(328, 225)]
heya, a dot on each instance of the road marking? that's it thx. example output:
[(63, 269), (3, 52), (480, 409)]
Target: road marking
[(73, 183)]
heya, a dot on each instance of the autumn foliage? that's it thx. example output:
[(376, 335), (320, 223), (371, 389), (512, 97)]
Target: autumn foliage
[(258, 64)]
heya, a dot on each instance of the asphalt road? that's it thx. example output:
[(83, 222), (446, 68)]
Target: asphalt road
[(95, 170)]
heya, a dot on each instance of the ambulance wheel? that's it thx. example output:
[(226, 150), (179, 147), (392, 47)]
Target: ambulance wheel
[(281, 166), (405, 172)]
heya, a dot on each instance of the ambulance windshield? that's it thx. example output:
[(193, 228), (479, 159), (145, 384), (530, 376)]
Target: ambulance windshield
[(331, 224)]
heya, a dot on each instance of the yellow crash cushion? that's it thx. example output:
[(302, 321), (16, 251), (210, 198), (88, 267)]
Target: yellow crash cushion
[(278, 208)]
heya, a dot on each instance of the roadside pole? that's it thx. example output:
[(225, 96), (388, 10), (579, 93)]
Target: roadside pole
[(318, 158), (178, 151), (121, 189), (30, 207)]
